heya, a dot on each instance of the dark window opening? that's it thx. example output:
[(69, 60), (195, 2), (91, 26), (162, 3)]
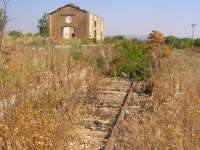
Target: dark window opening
[(95, 34), (95, 24)]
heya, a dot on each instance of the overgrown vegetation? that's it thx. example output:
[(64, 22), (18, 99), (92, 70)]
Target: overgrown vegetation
[(169, 117), (54, 77), (40, 97), (133, 62), (182, 43), (175, 100), (41, 90), (15, 34), (115, 57), (128, 58)]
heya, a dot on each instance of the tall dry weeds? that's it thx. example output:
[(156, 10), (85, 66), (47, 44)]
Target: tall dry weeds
[(157, 47), (172, 121), (177, 102), (40, 98)]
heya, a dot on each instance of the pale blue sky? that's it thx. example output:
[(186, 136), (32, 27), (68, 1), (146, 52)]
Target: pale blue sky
[(127, 17)]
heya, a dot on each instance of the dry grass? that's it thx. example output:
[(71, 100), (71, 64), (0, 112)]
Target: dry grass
[(177, 101), (42, 90), (173, 121), (40, 97), (104, 56)]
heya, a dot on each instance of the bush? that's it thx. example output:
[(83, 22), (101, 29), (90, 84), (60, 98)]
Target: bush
[(122, 58), (197, 42), (185, 43), (175, 42), (134, 63), (15, 34), (172, 41)]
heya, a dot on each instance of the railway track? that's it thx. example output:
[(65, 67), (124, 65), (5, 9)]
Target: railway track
[(113, 132), (100, 125)]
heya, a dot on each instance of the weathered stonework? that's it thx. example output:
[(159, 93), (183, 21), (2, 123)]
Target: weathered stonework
[(72, 22)]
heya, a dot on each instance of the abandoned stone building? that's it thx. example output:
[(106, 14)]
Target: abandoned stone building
[(70, 21)]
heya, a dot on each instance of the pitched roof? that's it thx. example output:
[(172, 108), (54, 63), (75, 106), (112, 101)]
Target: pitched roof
[(68, 5)]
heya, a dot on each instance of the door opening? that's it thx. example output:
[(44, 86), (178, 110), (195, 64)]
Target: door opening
[(68, 33)]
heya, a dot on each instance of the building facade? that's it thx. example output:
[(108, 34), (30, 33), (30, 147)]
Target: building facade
[(70, 22)]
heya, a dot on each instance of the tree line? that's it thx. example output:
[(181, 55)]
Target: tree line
[(182, 43)]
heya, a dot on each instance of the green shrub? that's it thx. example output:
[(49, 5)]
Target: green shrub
[(179, 43), (134, 64), (197, 42), (15, 34), (172, 41), (185, 43)]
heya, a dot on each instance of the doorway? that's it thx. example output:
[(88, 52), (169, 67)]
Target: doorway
[(68, 32)]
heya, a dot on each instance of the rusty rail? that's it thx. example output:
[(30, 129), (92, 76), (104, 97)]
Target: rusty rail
[(110, 145)]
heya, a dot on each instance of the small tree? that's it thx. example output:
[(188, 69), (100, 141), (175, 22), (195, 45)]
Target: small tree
[(172, 41), (43, 25)]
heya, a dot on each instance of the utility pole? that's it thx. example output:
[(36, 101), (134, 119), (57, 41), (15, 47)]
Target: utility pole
[(193, 31)]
